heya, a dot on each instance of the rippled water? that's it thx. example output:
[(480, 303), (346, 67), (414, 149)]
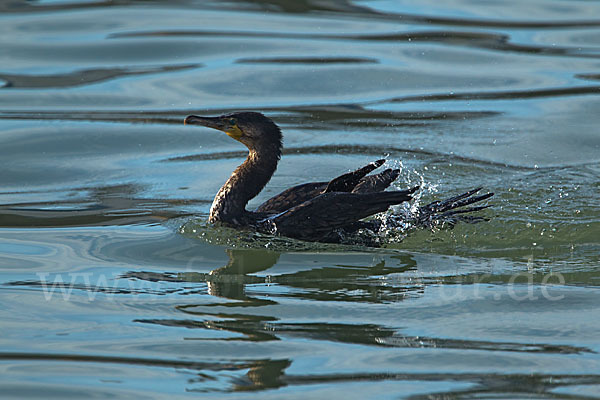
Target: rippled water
[(112, 285)]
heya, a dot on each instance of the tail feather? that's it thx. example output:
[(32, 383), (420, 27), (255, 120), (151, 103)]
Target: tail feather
[(452, 210)]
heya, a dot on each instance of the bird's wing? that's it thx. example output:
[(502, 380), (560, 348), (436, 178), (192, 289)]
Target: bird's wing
[(376, 183), (292, 197), (347, 182), (315, 218), (344, 183)]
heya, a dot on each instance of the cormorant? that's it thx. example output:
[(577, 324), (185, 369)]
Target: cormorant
[(316, 211)]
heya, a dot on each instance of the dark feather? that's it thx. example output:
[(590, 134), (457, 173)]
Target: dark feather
[(347, 182), (377, 183), (316, 218), (354, 181), (292, 197)]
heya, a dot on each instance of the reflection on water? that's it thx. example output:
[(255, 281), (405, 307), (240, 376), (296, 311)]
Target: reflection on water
[(240, 317), (113, 285)]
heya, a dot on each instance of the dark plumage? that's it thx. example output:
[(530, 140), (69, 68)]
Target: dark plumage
[(314, 211)]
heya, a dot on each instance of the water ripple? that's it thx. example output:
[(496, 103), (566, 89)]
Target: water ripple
[(83, 77)]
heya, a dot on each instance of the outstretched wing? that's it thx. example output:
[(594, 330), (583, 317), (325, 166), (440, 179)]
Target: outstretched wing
[(376, 183), (292, 197), (316, 218), (347, 182), (355, 181)]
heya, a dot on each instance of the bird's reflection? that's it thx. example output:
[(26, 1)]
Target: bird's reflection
[(242, 262), (243, 315), (230, 283)]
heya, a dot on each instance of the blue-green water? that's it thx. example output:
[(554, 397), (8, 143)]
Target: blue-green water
[(112, 285)]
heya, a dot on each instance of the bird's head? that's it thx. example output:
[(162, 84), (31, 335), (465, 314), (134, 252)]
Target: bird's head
[(250, 128)]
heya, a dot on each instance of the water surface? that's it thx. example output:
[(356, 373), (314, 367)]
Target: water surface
[(112, 285)]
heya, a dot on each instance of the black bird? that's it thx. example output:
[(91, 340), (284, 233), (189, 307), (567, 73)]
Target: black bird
[(316, 211)]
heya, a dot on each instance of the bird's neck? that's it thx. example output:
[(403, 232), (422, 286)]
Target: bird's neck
[(245, 183)]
